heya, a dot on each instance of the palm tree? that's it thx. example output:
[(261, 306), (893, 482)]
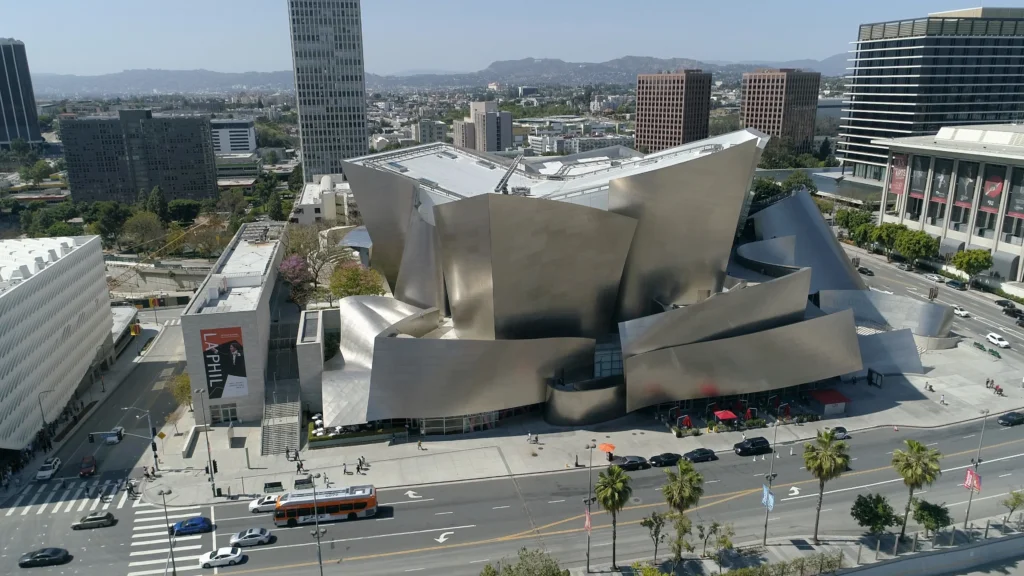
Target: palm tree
[(826, 459), (684, 488), (612, 491), (919, 467)]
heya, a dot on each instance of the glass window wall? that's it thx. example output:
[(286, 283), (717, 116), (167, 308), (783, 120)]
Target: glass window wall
[(963, 196)]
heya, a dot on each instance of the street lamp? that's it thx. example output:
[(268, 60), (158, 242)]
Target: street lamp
[(170, 542), (976, 461), (590, 486), (152, 436), (317, 532), (771, 472), (206, 432)]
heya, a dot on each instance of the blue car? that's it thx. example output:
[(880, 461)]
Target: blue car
[(196, 525)]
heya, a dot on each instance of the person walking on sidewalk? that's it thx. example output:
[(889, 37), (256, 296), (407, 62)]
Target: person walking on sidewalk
[(344, 469), (298, 467), (419, 444)]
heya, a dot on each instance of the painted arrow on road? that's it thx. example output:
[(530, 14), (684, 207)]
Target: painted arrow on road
[(794, 491), (412, 494), (443, 537)]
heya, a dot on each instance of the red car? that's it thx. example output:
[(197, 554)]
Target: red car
[(87, 467)]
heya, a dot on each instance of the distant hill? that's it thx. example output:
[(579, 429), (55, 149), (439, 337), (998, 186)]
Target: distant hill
[(539, 71)]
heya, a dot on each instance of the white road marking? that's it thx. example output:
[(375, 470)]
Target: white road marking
[(479, 561), (161, 517), (74, 500), (357, 538), (120, 503), (441, 513), (164, 540), (414, 569), (177, 559), (213, 533), (408, 502), (383, 519), (138, 502), (46, 503), (169, 510), (603, 544), (82, 505), (968, 436), (932, 444), (499, 507), (1005, 475), (977, 499), (710, 481), (165, 550), (195, 566), (555, 501), (827, 510), (32, 501), (152, 534), (15, 505)]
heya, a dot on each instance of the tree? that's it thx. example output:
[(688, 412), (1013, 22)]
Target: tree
[(295, 181), (528, 563), (874, 512), (972, 263), (719, 125), (705, 533), (824, 206), (654, 524), (183, 210), (181, 389), (862, 234), (916, 244), (351, 279), (274, 209), (232, 201), (157, 204), (612, 491), (849, 219), (684, 487), (826, 458), (886, 234), (825, 149), (646, 569), (918, 465), (270, 157), (765, 188), (305, 241), (1014, 500), (723, 543), (933, 517), (142, 229), (62, 229), (110, 218), (680, 542), (799, 179), (293, 270), (35, 172)]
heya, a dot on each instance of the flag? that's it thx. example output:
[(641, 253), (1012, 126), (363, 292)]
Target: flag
[(586, 524)]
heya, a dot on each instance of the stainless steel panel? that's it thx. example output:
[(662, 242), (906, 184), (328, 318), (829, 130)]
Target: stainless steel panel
[(724, 315), (554, 266), (424, 378), (584, 403), (779, 251), (892, 310), (786, 356), (816, 246), (890, 353), (420, 282), (686, 216)]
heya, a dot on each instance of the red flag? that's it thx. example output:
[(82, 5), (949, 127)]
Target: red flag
[(586, 525)]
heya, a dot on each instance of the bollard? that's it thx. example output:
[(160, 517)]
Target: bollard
[(878, 547), (935, 539), (987, 522), (243, 484), (952, 535), (896, 547), (247, 465), (790, 450), (915, 541), (860, 547)]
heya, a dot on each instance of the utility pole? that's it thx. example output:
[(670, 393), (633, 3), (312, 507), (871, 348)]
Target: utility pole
[(316, 520), (170, 543), (771, 474), (977, 462), (206, 432), (590, 489)]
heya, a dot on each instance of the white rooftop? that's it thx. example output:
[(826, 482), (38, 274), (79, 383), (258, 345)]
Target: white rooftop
[(995, 140), (21, 259), (237, 280), (312, 192)]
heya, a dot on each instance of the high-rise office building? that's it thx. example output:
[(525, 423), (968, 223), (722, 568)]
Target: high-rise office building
[(781, 103), (493, 127), (464, 133), (912, 77), (18, 120), (672, 109), (232, 136), (327, 57), (114, 158)]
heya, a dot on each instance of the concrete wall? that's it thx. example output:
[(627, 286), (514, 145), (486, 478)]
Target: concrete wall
[(310, 356), (149, 279), (959, 560)]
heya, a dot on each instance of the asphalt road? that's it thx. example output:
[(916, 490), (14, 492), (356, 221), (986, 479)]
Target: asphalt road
[(456, 528)]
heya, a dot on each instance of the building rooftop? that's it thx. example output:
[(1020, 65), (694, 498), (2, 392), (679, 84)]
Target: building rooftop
[(991, 140), (237, 158), (235, 182), (20, 260), (312, 192), (239, 276)]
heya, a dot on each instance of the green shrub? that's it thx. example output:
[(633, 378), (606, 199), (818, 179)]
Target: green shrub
[(678, 433), (756, 423)]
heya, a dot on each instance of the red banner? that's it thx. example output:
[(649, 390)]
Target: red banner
[(992, 189), (898, 181), (224, 361), (973, 481)]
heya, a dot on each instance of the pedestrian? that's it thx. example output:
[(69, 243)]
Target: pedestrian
[(298, 467), (744, 434), (419, 444), (344, 469), (528, 437), (942, 400)]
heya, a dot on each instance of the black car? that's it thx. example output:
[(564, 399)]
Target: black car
[(630, 463), (44, 557), (1005, 304), (956, 285), (753, 446), (1013, 312), (1020, 322), (865, 271), (1011, 419), (95, 520), (666, 459), (700, 455)]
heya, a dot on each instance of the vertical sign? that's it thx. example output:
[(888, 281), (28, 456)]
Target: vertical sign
[(992, 189), (942, 175), (966, 178), (919, 176), (224, 362), (586, 524), (1015, 203), (898, 185), (973, 480)]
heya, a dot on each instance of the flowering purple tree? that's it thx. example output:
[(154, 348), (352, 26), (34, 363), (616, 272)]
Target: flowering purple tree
[(294, 271)]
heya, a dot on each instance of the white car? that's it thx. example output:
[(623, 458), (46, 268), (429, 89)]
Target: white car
[(839, 432), (221, 557), (112, 436), (997, 340), (250, 537), (263, 504), (935, 278), (960, 312), (48, 469)]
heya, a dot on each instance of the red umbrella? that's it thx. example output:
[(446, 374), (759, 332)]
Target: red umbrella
[(606, 447)]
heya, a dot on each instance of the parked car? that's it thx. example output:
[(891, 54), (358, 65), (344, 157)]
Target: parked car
[(1011, 419), (250, 537), (666, 459), (701, 455), (997, 340), (753, 446), (221, 557), (631, 462), (838, 432), (865, 271), (956, 285), (95, 520), (958, 311), (87, 467), (935, 278), (903, 266), (197, 525), (44, 557), (48, 469), (1005, 304), (263, 504)]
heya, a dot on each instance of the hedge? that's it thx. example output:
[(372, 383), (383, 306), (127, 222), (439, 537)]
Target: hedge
[(327, 437)]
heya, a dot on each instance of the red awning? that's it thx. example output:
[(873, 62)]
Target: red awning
[(829, 396), (725, 415)]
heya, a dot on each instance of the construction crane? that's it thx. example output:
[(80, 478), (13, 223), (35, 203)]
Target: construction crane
[(502, 187), (116, 281)]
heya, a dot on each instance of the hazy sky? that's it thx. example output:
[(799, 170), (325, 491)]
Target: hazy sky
[(102, 36)]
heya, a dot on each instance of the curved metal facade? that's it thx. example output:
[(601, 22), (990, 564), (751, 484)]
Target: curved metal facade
[(686, 218), (786, 356), (588, 402), (519, 267), (420, 281), (922, 318), (741, 311)]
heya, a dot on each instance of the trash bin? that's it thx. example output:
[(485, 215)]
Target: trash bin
[(219, 493)]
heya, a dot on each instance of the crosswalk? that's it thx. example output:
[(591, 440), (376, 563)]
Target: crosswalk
[(69, 497), (150, 550), (175, 322)]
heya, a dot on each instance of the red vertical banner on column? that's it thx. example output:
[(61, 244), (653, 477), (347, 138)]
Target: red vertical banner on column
[(898, 180)]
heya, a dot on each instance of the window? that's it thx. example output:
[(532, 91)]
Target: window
[(316, 210), (304, 511), (291, 513), (360, 505), (346, 507), (332, 509)]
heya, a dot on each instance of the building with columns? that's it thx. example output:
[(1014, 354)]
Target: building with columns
[(965, 186)]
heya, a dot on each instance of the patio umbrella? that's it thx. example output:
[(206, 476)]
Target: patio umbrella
[(606, 447)]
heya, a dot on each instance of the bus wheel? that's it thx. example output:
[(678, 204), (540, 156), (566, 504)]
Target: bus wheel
[(352, 516), (292, 523)]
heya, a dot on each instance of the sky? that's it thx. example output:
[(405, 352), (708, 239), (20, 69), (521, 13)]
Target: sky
[(88, 37)]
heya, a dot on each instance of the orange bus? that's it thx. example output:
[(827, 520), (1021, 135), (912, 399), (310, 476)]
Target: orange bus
[(332, 504)]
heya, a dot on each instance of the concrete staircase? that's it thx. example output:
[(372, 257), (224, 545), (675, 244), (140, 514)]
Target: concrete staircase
[(281, 427)]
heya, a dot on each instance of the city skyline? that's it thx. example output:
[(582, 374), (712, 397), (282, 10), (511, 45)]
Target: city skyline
[(184, 42)]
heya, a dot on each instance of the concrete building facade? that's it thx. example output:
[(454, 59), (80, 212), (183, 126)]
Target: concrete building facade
[(464, 134), (18, 119), (113, 158), (782, 104), (427, 131), (672, 109), (233, 136), (493, 127), (327, 57)]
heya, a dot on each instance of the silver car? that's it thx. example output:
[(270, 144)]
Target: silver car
[(250, 537)]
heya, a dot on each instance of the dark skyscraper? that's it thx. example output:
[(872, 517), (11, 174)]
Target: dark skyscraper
[(17, 100), (672, 109)]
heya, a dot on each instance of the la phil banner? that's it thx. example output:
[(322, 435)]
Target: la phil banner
[(918, 176), (967, 176), (992, 189), (899, 174), (224, 360)]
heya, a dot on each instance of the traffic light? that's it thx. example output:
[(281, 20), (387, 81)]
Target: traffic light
[(152, 432), (154, 446), (214, 466), (120, 434), (92, 439), (207, 468)]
